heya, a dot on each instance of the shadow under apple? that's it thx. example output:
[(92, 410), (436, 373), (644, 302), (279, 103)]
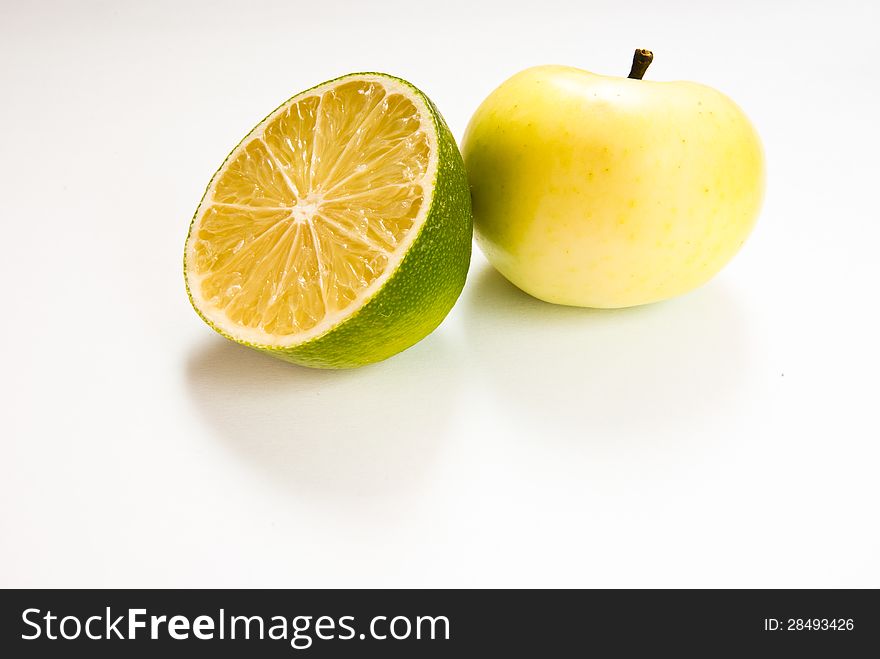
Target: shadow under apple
[(344, 434), (642, 372)]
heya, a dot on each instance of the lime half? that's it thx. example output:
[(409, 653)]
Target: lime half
[(338, 232)]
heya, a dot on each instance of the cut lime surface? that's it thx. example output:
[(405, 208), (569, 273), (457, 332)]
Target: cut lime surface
[(338, 232)]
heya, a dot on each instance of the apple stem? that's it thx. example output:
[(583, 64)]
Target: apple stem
[(641, 61)]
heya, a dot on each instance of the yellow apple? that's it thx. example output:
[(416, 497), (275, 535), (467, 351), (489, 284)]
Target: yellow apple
[(600, 191)]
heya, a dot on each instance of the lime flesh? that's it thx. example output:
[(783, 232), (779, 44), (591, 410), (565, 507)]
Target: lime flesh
[(338, 232)]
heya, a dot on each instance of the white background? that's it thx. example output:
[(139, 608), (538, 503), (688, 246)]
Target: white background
[(727, 438)]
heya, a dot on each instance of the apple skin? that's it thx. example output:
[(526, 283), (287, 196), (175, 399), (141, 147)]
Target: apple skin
[(599, 191)]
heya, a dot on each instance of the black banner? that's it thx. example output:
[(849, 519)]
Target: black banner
[(436, 623)]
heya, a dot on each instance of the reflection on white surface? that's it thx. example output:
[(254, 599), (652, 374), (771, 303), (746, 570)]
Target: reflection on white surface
[(329, 434), (597, 375)]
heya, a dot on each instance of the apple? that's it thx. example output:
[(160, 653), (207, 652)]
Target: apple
[(599, 191)]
